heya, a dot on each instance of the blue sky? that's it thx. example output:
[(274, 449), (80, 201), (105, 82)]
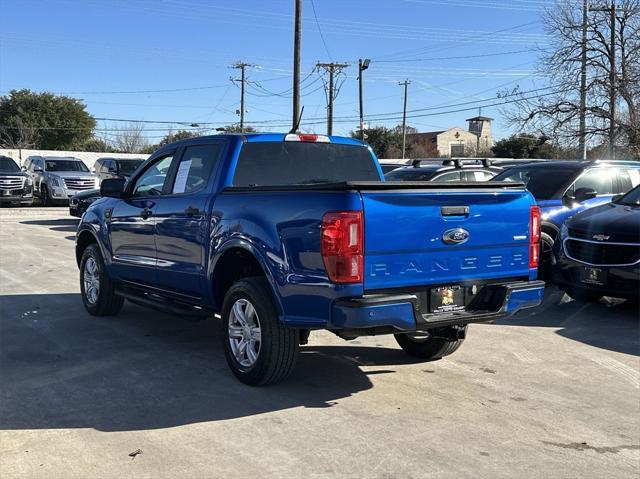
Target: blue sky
[(169, 60)]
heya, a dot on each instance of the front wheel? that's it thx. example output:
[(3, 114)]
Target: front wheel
[(427, 346), (45, 199), (259, 349), (97, 288)]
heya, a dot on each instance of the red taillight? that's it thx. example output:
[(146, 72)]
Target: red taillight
[(534, 237), (341, 245)]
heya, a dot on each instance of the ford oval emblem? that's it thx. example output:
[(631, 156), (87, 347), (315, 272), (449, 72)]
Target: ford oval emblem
[(455, 236)]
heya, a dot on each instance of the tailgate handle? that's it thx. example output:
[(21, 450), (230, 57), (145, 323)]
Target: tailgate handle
[(454, 210)]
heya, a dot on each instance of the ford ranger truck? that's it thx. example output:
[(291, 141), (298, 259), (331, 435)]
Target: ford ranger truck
[(283, 234)]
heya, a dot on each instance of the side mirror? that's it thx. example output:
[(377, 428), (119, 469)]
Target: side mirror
[(113, 188), (23, 168), (113, 170), (37, 169), (583, 194)]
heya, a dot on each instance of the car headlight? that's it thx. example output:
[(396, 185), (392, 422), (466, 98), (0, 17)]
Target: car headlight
[(55, 181), (29, 181), (564, 231)]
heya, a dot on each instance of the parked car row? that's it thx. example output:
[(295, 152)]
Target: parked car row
[(58, 180)]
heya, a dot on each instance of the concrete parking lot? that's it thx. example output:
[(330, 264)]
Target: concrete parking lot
[(550, 393)]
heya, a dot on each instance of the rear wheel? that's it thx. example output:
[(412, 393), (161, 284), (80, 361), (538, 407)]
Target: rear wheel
[(429, 347), (259, 349), (583, 295), (97, 288)]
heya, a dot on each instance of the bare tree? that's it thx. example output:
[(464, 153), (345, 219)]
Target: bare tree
[(556, 111), (20, 136), (130, 139)]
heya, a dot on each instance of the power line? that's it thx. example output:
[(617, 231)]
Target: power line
[(464, 57), (326, 48)]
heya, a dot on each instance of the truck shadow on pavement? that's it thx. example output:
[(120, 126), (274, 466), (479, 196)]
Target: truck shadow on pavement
[(65, 224), (610, 324), (61, 368)]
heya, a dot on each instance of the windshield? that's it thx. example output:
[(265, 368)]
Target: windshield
[(289, 163), (126, 167), (7, 164), (632, 198), (543, 183), (64, 165)]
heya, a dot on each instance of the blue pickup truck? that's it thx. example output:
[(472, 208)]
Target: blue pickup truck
[(282, 234)]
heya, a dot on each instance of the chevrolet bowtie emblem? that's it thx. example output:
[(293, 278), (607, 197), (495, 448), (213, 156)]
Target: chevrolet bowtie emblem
[(601, 237)]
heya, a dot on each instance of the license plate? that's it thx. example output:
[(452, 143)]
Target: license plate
[(594, 276), (447, 299)]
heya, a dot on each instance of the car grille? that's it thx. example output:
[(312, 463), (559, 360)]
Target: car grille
[(614, 237), (11, 182), (80, 183), (601, 254)]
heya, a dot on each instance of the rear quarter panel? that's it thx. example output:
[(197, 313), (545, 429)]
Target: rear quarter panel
[(282, 230)]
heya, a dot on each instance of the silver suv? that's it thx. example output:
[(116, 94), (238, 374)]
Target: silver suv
[(56, 179)]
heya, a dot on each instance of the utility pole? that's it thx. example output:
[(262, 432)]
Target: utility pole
[(612, 77), (612, 88), (241, 66), (582, 146), (296, 62), (362, 66), (333, 69), (404, 117)]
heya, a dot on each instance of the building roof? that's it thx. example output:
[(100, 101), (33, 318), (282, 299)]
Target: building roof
[(479, 118)]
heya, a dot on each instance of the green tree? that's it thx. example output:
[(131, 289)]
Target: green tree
[(235, 128), (524, 145), (386, 142), (177, 136), (96, 145), (54, 122)]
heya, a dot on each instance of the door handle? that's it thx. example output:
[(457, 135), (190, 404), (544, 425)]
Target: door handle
[(145, 213), (191, 211)]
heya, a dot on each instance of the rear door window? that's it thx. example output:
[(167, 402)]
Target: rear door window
[(195, 168), (628, 179), (599, 179), (298, 163)]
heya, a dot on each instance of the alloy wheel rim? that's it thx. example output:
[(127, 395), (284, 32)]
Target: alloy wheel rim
[(91, 280), (244, 333)]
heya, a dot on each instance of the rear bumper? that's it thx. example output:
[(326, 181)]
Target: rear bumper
[(404, 312)]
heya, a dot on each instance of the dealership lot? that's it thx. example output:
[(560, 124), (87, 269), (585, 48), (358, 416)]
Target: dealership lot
[(550, 393)]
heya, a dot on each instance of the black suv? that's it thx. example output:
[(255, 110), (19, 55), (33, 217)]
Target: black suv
[(116, 167), (598, 251), (16, 187), (439, 169)]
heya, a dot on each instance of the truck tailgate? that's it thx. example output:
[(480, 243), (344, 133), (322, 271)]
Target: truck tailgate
[(417, 237)]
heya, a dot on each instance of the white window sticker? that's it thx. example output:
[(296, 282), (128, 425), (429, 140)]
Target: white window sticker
[(181, 177)]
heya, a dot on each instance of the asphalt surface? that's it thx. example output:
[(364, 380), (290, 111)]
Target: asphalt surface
[(550, 393)]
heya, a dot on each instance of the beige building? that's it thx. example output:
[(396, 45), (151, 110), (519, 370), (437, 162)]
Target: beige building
[(477, 140)]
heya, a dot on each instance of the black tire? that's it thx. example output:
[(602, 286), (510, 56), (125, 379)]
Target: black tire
[(45, 198), (429, 348), (546, 252), (106, 303), (278, 345), (584, 295)]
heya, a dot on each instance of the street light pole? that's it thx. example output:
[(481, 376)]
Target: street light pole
[(362, 66), (296, 62), (404, 117)]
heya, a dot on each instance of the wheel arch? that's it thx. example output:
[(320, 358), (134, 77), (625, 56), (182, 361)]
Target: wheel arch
[(235, 260)]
